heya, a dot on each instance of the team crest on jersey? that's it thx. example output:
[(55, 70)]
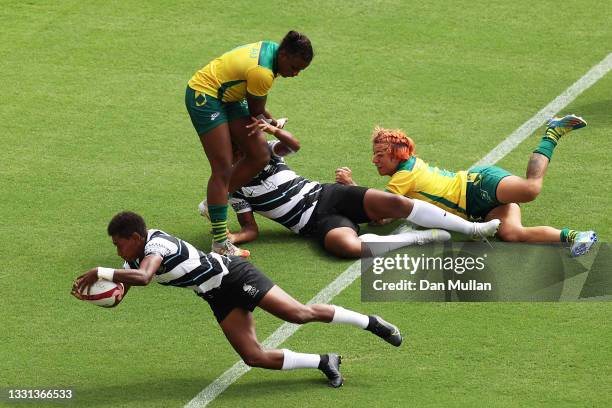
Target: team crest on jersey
[(250, 290)]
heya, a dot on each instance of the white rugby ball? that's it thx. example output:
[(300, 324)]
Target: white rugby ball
[(103, 293)]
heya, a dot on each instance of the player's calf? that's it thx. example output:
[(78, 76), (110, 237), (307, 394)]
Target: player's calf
[(509, 233), (309, 313), (257, 357)]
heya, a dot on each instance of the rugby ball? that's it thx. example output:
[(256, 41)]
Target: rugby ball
[(103, 293)]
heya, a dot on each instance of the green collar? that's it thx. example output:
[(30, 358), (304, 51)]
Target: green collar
[(407, 164)]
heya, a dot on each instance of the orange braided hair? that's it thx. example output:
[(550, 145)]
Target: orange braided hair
[(398, 144)]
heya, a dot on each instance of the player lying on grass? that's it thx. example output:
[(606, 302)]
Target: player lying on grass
[(483, 192), (232, 287), (331, 213)]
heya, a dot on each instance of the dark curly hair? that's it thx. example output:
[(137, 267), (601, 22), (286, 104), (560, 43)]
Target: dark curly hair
[(295, 43), (125, 223)]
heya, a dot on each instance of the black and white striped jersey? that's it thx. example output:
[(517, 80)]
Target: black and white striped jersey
[(279, 194), (183, 265)]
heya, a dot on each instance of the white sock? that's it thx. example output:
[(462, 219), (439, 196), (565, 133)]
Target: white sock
[(388, 243), (345, 316), (293, 360), (429, 216)]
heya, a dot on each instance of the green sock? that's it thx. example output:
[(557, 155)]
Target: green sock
[(218, 219), (546, 147), (568, 235)]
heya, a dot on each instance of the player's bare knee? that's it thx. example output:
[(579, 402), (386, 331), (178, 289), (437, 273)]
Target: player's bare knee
[(343, 246), (345, 251), (254, 358), (221, 170), (352, 251)]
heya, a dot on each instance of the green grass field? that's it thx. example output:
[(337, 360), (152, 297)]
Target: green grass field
[(93, 122)]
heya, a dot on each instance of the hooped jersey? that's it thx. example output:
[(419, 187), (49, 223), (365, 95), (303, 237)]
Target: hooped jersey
[(250, 68), (182, 264), (278, 193), (415, 178)]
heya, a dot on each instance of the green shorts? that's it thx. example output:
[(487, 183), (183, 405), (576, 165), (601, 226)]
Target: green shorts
[(207, 113), (481, 194)]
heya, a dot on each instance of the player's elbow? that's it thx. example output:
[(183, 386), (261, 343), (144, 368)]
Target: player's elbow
[(295, 146), (143, 279)]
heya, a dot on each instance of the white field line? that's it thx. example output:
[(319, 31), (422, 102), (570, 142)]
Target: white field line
[(285, 331), (537, 120)]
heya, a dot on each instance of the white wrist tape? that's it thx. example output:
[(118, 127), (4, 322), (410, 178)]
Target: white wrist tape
[(106, 273)]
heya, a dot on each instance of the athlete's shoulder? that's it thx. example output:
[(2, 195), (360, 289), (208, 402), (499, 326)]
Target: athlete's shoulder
[(268, 50), (404, 179), (161, 243), (156, 233)]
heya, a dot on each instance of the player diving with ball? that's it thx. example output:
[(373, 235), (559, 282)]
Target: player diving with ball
[(232, 286)]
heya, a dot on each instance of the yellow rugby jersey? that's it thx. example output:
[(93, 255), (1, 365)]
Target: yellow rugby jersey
[(415, 178), (250, 68)]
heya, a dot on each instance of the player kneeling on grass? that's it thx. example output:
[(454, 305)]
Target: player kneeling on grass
[(483, 192), (331, 213), (232, 287)]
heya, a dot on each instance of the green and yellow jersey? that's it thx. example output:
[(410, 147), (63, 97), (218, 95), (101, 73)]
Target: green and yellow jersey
[(250, 68), (415, 178)]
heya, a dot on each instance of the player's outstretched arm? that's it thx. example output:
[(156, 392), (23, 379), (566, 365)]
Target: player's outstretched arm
[(249, 231), (344, 175), (138, 277)]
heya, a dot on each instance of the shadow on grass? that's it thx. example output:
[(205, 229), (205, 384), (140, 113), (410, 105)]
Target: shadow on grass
[(598, 113), (278, 386), (157, 392), (179, 391), (266, 238)]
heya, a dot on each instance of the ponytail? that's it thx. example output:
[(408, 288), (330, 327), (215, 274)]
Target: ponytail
[(295, 43)]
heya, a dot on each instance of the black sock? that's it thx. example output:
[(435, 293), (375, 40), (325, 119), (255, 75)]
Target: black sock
[(371, 324), (324, 361)]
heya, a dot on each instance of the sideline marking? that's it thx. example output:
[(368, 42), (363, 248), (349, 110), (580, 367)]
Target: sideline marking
[(285, 331), (560, 102)]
